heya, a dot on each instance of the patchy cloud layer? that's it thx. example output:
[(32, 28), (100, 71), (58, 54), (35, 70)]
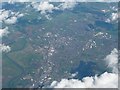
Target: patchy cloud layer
[(45, 7), (105, 80), (114, 16), (62, 0)]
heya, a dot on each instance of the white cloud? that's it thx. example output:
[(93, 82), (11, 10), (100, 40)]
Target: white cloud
[(3, 14), (114, 16), (4, 32), (44, 7), (48, 17), (9, 17), (12, 1), (11, 20), (67, 4), (105, 80), (4, 48), (20, 15), (62, 0), (112, 60)]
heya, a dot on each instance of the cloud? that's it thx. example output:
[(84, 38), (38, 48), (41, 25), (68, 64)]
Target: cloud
[(11, 20), (9, 17), (12, 1), (44, 7), (48, 17), (67, 4), (114, 16), (61, 0), (4, 48), (105, 80), (112, 60), (3, 14), (20, 15), (4, 32)]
